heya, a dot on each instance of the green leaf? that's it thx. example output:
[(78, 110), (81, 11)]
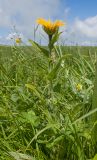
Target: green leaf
[(31, 118), (55, 142), (20, 156), (41, 49), (40, 132), (54, 39), (57, 87), (36, 92), (52, 75), (14, 97), (95, 157), (86, 115)]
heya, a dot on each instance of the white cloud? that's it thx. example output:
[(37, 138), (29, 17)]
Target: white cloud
[(87, 27), (23, 13)]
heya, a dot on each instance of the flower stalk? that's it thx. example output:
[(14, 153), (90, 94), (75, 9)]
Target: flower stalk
[(52, 30)]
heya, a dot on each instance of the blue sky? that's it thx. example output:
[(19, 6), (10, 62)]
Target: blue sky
[(80, 17), (82, 8)]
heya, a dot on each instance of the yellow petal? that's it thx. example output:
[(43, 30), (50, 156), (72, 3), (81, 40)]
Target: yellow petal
[(42, 21), (59, 23), (49, 26)]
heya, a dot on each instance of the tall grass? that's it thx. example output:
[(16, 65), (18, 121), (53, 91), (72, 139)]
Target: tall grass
[(43, 115)]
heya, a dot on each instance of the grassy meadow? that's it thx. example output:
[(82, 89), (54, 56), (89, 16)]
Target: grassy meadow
[(46, 110)]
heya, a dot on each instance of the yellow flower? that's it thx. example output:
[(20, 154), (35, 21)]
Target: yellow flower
[(18, 40), (79, 87), (50, 27)]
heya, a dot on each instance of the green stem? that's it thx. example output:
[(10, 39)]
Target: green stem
[(50, 50), (50, 67)]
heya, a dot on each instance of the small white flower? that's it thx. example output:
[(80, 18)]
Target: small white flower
[(13, 36), (9, 37)]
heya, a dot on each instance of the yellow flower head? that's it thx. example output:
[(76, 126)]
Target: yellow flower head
[(18, 40), (50, 27), (79, 87)]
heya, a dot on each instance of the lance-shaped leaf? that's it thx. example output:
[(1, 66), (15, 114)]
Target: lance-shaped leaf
[(54, 39), (39, 48), (35, 91), (53, 74), (20, 156), (95, 157)]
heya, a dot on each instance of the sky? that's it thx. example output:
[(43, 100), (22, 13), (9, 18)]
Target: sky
[(19, 16)]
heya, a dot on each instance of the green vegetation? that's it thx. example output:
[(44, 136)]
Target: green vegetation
[(46, 113)]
